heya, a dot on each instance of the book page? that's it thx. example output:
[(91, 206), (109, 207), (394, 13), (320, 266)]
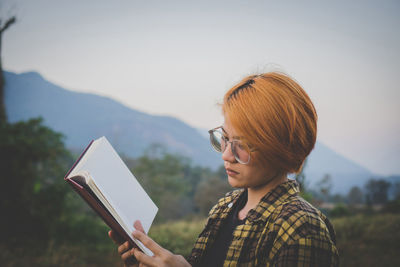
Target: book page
[(118, 185)]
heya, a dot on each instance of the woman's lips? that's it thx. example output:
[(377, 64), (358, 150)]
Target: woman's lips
[(231, 172)]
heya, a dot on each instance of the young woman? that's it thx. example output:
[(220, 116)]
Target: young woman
[(270, 128)]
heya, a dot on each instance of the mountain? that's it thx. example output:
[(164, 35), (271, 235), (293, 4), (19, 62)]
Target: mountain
[(344, 172), (82, 117)]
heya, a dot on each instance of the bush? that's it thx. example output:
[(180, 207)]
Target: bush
[(178, 237), (368, 240), (392, 206), (339, 210)]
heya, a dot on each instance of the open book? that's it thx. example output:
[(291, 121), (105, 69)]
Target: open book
[(103, 180)]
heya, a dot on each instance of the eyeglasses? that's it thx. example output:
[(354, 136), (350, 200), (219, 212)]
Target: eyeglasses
[(239, 149)]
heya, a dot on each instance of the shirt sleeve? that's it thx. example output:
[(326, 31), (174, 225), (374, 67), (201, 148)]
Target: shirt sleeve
[(307, 251)]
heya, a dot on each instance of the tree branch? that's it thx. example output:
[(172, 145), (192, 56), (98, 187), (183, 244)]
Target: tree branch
[(8, 23)]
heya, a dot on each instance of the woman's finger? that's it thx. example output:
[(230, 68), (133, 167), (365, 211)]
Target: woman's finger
[(123, 248), (143, 258), (115, 237), (127, 254), (148, 242)]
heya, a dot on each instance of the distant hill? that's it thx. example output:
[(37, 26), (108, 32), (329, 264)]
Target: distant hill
[(344, 172), (82, 117)]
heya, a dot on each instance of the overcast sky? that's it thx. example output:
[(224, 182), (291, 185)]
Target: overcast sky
[(179, 57)]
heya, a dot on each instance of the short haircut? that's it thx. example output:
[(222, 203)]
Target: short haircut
[(276, 117)]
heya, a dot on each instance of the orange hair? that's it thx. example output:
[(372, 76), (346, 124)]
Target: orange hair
[(276, 117)]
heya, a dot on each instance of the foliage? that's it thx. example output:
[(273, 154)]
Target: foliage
[(51, 226), (301, 177), (396, 189), (355, 196), (339, 210), (325, 186), (177, 187), (45, 220), (32, 161), (377, 191), (368, 240), (362, 240), (179, 236), (60, 255), (392, 206), (338, 198), (208, 193), (301, 180), (164, 180)]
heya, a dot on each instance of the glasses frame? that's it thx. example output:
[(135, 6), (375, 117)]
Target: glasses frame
[(233, 151)]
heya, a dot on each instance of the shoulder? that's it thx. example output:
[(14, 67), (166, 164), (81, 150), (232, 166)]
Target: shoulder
[(303, 219), (223, 203), (303, 233)]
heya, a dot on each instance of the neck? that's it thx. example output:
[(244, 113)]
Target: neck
[(255, 194)]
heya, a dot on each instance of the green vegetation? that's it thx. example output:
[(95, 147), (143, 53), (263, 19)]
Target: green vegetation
[(178, 236), (44, 224), (362, 240), (178, 188), (368, 240), (47, 224)]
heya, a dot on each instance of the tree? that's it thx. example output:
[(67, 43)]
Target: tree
[(208, 193), (325, 186), (163, 176), (3, 28), (396, 189), (338, 198), (301, 179), (377, 191), (355, 196), (33, 161), (339, 210)]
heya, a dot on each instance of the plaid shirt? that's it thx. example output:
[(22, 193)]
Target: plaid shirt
[(283, 230)]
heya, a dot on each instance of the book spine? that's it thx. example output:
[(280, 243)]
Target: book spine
[(101, 211), (80, 157)]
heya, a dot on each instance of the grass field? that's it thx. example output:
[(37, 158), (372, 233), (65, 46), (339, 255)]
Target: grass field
[(362, 240), (369, 240)]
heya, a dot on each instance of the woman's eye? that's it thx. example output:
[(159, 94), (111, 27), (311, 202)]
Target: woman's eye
[(240, 146)]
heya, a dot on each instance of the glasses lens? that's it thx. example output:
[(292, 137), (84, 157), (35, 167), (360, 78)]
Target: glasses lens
[(216, 139), (241, 152)]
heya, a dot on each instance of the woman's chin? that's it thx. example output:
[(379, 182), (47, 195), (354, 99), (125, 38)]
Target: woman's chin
[(234, 182)]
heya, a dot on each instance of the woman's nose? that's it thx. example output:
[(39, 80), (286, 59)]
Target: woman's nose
[(227, 155)]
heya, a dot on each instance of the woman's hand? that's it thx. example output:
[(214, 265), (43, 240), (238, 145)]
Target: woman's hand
[(161, 257), (133, 257), (124, 250)]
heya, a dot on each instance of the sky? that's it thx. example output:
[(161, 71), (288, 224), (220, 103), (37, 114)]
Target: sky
[(178, 58)]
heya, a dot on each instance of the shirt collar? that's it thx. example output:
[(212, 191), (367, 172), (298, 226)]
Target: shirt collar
[(273, 199), (266, 205)]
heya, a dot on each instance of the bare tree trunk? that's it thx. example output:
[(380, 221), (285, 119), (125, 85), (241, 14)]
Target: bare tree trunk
[(3, 114)]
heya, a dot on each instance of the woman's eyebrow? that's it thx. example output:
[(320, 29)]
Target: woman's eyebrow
[(233, 137)]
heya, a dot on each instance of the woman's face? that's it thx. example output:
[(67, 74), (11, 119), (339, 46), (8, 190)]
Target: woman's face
[(251, 175)]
